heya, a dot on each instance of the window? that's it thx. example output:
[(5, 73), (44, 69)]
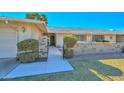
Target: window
[(110, 37), (81, 37), (98, 37)]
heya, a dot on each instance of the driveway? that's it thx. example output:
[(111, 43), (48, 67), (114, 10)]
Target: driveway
[(7, 65), (55, 63)]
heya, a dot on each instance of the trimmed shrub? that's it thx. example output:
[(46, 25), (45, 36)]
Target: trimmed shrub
[(28, 50), (123, 50), (68, 52), (70, 41), (98, 40), (105, 41), (28, 44), (102, 41)]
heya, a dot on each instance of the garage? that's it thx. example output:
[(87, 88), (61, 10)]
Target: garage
[(8, 42)]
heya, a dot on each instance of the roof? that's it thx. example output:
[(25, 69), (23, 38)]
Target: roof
[(82, 30), (21, 20), (40, 24)]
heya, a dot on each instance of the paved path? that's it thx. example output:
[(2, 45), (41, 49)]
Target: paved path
[(55, 63)]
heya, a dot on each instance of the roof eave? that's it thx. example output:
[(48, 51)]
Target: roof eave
[(21, 20)]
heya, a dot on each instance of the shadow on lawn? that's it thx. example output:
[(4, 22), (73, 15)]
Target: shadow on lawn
[(105, 69), (99, 67)]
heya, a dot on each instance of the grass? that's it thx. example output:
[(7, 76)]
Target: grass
[(86, 70), (117, 63)]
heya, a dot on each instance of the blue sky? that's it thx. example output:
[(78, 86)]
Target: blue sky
[(106, 20)]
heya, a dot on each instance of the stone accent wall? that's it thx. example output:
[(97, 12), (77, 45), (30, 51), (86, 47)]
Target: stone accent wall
[(98, 48), (43, 48)]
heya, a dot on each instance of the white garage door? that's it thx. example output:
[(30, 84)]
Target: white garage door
[(7, 43)]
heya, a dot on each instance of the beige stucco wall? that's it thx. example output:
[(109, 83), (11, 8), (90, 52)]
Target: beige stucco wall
[(90, 37), (120, 38), (97, 48), (31, 31), (111, 38), (59, 40), (12, 33)]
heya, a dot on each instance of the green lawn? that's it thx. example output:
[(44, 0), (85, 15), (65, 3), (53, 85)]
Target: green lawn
[(87, 70), (118, 64)]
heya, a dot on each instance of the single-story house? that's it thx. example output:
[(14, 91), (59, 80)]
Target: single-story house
[(13, 30), (89, 41), (84, 35)]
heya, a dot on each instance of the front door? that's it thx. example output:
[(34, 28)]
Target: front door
[(52, 40)]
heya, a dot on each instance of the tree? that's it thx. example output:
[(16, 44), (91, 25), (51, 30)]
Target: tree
[(37, 16)]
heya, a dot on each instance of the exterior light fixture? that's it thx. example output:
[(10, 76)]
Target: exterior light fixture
[(23, 29)]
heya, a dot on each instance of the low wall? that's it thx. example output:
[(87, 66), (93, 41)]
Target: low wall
[(97, 48)]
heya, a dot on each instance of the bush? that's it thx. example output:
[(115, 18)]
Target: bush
[(28, 44), (123, 50), (68, 52), (105, 41), (102, 41), (28, 50), (28, 57), (98, 40), (69, 41)]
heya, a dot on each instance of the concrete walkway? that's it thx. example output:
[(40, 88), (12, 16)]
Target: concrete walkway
[(55, 63)]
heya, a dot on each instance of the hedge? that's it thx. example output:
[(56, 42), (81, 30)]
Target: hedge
[(68, 53), (28, 50), (69, 42)]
